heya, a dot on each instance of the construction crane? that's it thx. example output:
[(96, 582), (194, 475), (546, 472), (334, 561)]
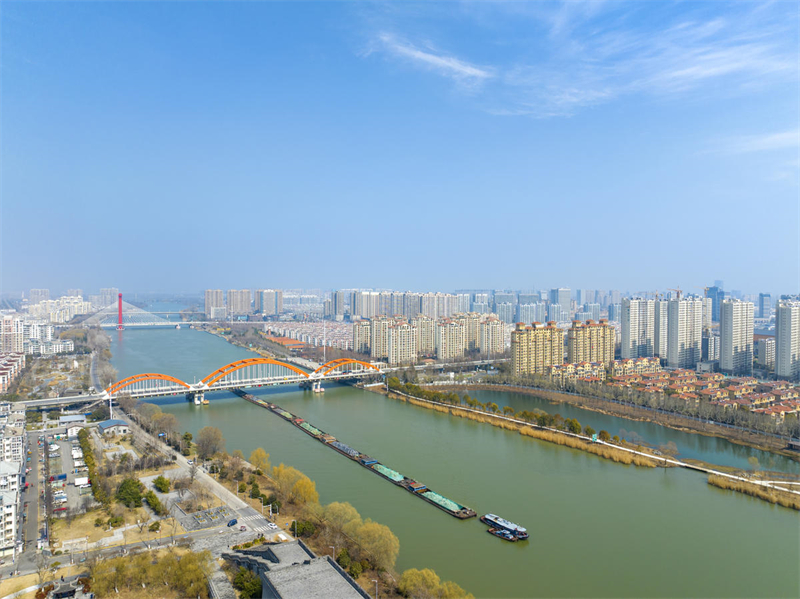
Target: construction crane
[(678, 291)]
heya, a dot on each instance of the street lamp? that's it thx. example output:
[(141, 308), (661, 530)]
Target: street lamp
[(376, 588), (333, 549)]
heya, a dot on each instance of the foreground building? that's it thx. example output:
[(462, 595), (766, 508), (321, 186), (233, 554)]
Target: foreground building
[(684, 332), (638, 328)]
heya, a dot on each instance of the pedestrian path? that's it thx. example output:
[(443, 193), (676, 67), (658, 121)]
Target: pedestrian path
[(256, 523)]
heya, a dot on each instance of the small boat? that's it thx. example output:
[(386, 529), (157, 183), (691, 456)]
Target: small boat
[(497, 522), (503, 534), (177, 326)]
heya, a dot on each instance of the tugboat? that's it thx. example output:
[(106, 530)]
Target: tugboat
[(503, 534), (494, 521)]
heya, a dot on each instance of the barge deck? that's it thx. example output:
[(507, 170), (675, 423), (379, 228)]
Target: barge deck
[(415, 488)]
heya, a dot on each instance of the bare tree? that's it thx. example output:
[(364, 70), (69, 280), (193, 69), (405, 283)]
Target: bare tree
[(42, 568), (193, 470)]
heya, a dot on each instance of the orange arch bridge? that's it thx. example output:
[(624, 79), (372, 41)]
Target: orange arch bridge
[(147, 376), (220, 373)]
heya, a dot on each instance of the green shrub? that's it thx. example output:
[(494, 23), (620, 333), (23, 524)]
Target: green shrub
[(161, 484), (115, 521), (154, 527), (355, 570), (247, 583), (129, 493)]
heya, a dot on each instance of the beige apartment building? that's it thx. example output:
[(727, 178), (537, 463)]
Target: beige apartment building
[(535, 348), (402, 341), (449, 339), (591, 342), (492, 336)]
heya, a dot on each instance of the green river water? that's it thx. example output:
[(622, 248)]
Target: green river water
[(598, 529)]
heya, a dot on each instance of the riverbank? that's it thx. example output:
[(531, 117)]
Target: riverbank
[(766, 490), (636, 413)]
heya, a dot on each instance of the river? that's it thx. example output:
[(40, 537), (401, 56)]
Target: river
[(598, 529)]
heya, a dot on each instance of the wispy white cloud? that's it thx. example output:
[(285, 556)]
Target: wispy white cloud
[(448, 66), (782, 140), (575, 55)]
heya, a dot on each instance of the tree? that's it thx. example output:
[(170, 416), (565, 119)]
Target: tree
[(304, 491), (247, 583), (285, 477), (420, 584), (589, 431), (508, 411), (161, 484), (129, 493), (604, 436), (187, 438), (341, 519), (260, 460), (379, 543), (209, 442)]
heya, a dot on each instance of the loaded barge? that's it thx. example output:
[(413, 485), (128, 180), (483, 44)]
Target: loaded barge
[(415, 488)]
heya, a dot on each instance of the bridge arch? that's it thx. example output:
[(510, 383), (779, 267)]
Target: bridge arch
[(334, 364), (147, 376), (238, 365)]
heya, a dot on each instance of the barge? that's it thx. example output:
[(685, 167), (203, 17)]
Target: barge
[(497, 523), (414, 487)]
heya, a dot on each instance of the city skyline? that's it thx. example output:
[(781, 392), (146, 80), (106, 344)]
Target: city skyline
[(165, 147)]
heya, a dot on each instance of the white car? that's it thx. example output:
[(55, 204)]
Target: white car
[(272, 526)]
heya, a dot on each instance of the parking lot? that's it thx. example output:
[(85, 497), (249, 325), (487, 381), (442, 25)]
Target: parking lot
[(65, 466)]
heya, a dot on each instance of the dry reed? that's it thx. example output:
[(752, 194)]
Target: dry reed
[(617, 455), (777, 496)]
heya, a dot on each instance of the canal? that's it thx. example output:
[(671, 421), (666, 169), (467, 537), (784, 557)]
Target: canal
[(598, 529)]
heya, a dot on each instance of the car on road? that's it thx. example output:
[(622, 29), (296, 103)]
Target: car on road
[(190, 462), (243, 528), (233, 522), (272, 526)]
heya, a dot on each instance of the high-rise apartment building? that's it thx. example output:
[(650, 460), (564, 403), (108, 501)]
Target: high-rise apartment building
[(534, 348), (660, 312), (426, 335), (765, 352), (38, 295), (529, 313), (11, 334), (710, 348), (736, 337), (470, 321), (108, 296), (214, 299), (787, 339), (764, 305), (75, 293), (379, 342), (684, 332), (362, 336), (593, 310), (464, 302), (239, 302), (555, 313), (614, 312), (492, 337), (364, 304), (561, 296), (717, 295), (449, 339), (529, 298), (337, 307), (398, 304), (270, 302), (707, 312), (506, 312), (402, 341), (638, 328), (591, 342)]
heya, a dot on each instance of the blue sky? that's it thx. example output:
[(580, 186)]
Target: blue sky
[(178, 146)]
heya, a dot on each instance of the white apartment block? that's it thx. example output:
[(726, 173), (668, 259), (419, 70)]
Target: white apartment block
[(765, 351), (11, 444), (736, 337), (379, 339), (61, 310), (787, 340), (214, 299), (492, 337), (402, 341), (239, 301), (684, 332), (10, 476), (660, 311), (638, 328), (362, 336), (450, 336), (8, 528), (426, 335)]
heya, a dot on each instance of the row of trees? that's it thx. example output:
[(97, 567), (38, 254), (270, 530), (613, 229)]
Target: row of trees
[(742, 418)]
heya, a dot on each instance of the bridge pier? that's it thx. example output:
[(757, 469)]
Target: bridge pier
[(196, 396)]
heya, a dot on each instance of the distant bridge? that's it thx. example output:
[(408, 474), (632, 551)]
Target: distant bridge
[(250, 372)]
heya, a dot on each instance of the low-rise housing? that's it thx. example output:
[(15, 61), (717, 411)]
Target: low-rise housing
[(114, 427)]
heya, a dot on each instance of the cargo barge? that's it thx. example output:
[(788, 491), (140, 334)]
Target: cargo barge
[(416, 488)]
